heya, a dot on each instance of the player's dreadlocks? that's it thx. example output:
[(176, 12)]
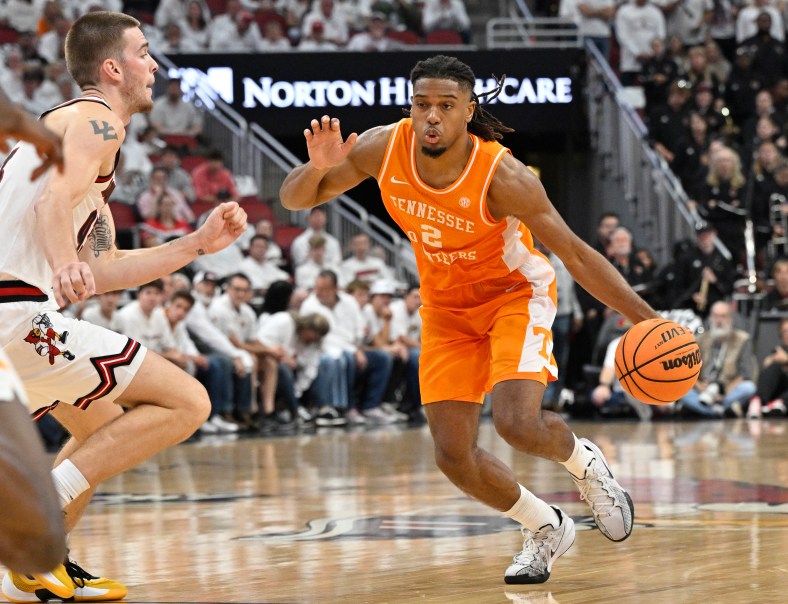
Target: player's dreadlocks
[(482, 124)]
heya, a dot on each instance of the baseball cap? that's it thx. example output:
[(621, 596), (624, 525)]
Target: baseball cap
[(205, 276), (703, 227), (382, 287)]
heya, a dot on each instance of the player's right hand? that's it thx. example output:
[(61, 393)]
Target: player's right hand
[(324, 143), (73, 282)]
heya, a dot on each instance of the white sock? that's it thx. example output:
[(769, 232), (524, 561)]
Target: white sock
[(579, 459), (532, 512), (69, 482)]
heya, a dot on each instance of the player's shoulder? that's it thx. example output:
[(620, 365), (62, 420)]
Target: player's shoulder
[(90, 119)]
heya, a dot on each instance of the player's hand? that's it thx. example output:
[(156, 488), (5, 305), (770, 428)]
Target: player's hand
[(224, 225), (73, 282), (48, 144), (324, 143)]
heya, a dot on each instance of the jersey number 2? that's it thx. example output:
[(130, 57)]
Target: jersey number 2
[(429, 235)]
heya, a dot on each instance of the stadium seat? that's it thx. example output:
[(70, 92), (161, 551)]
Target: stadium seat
[(217, 7), (256, 209), (200, 207), (190, 162), (180, 140), (405, 37), (8, 35), (284, 235), (126, 225), (443, 36)]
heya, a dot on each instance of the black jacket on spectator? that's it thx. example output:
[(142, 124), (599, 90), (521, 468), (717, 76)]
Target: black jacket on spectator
[(657, 93), (768, 56), (668, 126), (687, 279), (740, 91), (687, 164), (723, 206)]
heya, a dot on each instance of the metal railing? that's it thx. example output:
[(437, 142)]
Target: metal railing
[(252, 152), (532, 32)]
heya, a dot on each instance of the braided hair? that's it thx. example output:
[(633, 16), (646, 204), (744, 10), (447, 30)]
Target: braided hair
[(442, 67)]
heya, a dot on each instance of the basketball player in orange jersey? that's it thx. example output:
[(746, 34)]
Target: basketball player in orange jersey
[(488, 296), (31, 525), (57, 246)]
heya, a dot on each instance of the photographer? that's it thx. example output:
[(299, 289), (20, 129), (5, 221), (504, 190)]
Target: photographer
[(773, 380), (729, 368)]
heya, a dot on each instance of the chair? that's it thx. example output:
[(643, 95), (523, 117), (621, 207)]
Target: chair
[(444, 37), (8, 35), (126, 225), (405, 37), (180, 140), (217, 7), (190, 162), (256, 209), (284, 235), (200, 207)]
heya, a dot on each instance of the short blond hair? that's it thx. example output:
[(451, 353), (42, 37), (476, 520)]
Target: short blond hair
[(94, 38)]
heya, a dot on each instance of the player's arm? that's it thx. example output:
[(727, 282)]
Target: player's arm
[(19, 124), (334, 165), (516, 191), (115, 269), (90, 141)]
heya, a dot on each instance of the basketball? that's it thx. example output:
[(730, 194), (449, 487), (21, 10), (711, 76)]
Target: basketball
[(658, 361)]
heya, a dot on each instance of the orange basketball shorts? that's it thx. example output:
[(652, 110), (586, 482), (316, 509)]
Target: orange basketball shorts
[(477, 335)]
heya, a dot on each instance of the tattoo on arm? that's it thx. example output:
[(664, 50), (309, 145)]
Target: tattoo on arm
[(101, 236), (106, 130), (200, 252)]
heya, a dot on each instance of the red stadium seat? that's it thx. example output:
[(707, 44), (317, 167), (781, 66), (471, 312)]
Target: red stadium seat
[(190, 162), (284, 235), (442, 36), (406, 36), (200, 207), (256, 209), (126, 225), (8, 35), (217, 7), (180, 140)]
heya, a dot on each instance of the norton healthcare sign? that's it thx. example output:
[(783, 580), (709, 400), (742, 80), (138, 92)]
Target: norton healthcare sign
[(282, 92)]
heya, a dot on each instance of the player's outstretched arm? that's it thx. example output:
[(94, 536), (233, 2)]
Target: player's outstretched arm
[(19, 124), (116, 269), (32, 535), (516, 191), (334, 165)]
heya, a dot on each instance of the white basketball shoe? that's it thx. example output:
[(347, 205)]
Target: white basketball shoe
[(540, 549)]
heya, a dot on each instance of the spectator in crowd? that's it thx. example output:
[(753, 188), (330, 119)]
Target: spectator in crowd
[(274, 254), (315, 40), (32, 79), (211, 341), (316, 225), (687, 19), (195, 26), (361, 265), (50, 11), (172, 115), (138, 321), (293, 12), (11, 74), (669, 123), (703, 275), (274, 38), (698, 70), (764, 107), (211, 178), (447, 15), (722, 27), (51, 45), (765, 191), (223, 25), (245, 36), (608, 396), (159, 184), (406, 329), (177, 178), (162, 225), (382, 340), (726, 381), (637, 24), (659, 70), (21, 15), (718, 63), (622, 255), (720, 199), (278, 298), (374, 38), (703, 103), (335, 27), (261, 271), (593, 19), (742, 86), (300, 337), (27, 44), (232, 314), (772, 391), (768, 53), (306, 273), (174, 11), (607, 223), (102, 312), (747, 24), (173, 41), (777, 297), (72, 9), (692, 153), (223, 263), (213, 372)]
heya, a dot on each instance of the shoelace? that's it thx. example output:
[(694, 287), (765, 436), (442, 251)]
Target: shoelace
[(78, 574), (595, 489), (532, 549)]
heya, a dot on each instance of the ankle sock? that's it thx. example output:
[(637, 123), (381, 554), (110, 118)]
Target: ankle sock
[(579, 459), (69, 482), (532, 512)]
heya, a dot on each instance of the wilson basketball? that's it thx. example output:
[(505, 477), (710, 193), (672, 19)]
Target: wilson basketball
[(658, 361)]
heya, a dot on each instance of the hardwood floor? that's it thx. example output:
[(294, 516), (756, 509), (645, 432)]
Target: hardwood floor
[(344, 516)]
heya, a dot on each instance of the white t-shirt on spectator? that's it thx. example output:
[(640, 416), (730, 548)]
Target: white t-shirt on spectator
[(746, 27), (262, 274), (636, 27), (151, 331), (335, 28), (178, 118), (306, 274), (280, 330), (587, 26), (201, 327), (223, 263), (370, 269), (231, 321), (92, 314), (346, 322), (402, 323), (299, 249)]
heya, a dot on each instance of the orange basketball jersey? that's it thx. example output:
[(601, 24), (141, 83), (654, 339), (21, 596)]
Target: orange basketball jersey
[(455, 239)]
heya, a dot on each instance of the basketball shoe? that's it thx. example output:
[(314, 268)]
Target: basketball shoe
[(611, 504), (540, 549), (84, 587)]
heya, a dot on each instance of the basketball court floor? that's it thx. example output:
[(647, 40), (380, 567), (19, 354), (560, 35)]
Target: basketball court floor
[(345, 516)]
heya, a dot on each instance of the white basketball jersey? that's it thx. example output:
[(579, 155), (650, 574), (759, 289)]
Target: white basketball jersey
[(21, 252)]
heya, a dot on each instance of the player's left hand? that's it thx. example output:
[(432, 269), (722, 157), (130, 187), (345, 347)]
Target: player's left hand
[(224, 225)]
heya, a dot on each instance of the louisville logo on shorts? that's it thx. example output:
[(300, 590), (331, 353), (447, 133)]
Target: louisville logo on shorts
[(46, 340)]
